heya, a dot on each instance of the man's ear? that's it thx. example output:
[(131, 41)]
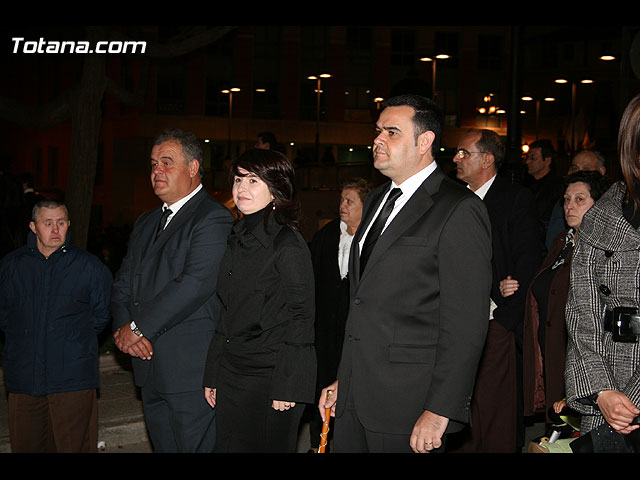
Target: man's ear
[(194, 167), (32, 226), (425, 141), (488, 160)]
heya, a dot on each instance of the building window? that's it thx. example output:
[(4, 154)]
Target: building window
[(403, 48), (359, 45), (266, 71), (37, 166), (171, 86), (266, 100), (216, 102), (52, 166), (489, 52)]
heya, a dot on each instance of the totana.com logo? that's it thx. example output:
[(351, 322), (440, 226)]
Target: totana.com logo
[(20, 45)]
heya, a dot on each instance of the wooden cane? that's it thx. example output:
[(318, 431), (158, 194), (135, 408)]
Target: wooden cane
[(325, 427)]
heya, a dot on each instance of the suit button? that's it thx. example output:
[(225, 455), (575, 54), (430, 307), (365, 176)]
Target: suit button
[(229, 273), (357, 301), (604, 290), (136, 303)]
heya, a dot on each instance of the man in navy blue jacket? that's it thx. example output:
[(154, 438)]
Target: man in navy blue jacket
[(54, 300)]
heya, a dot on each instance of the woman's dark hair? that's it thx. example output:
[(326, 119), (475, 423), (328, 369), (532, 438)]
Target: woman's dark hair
[(629, 149), (598, 183), (278, 173)]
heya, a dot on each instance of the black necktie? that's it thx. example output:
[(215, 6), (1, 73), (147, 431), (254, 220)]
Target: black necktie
[(163, 220), (377, 226)]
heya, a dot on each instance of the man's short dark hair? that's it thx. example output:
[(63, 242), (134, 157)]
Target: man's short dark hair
[(190, 144), (268, 137), (491, 142), (47, 203), (427, 116), (546, 148)]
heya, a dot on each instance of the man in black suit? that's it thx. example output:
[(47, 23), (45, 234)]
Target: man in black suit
[(419, 297), (164, 305), (516, 253)]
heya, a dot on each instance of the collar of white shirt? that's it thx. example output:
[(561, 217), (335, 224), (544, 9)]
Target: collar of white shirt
[(482, 191), (179, 204), (411, 184), (408, 187)]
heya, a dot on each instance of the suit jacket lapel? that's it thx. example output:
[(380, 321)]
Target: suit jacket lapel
[(179, 218), (372, 202), (492, 197), (419, 203)]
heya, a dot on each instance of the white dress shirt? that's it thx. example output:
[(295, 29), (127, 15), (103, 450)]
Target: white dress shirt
[(343, 249), (409, 186), (179, 204), (481, 192)]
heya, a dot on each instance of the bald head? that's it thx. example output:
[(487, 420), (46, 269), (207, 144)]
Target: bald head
[(587, 160)]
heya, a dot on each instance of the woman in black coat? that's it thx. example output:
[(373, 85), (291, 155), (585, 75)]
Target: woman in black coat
[(261, 366), (330, 257)]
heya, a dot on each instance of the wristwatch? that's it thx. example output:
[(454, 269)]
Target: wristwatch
[(135, 329)]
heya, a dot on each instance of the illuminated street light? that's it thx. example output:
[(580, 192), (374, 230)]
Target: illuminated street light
[(434, 59), (489, 108), (318, 78), (230, 93), (584, 81), (527, 98)]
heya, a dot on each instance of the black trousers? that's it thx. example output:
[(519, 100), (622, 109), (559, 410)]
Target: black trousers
[(350, 436), (179, 422)]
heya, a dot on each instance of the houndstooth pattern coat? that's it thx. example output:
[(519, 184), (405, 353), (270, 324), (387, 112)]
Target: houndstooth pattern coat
[(605, 273)]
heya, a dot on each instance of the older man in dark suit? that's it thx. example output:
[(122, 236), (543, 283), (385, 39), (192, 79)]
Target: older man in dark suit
[(419, 296), (515, 234), (164, 305)]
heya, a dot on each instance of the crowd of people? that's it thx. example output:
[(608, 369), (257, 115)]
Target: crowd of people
[(432, 315)]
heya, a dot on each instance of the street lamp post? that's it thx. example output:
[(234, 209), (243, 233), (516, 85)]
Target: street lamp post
[(574, 84), (434, 59), (538, 117), (230, 93), (318, 78)]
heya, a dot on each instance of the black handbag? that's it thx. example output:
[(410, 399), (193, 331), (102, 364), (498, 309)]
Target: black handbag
[(604, 439)]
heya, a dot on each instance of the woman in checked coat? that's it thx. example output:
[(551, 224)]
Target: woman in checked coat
[(603, 364)]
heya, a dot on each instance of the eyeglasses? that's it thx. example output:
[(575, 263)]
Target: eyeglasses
[(462, 153)]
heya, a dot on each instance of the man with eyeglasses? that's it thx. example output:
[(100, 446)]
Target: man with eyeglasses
[(514, 233)]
